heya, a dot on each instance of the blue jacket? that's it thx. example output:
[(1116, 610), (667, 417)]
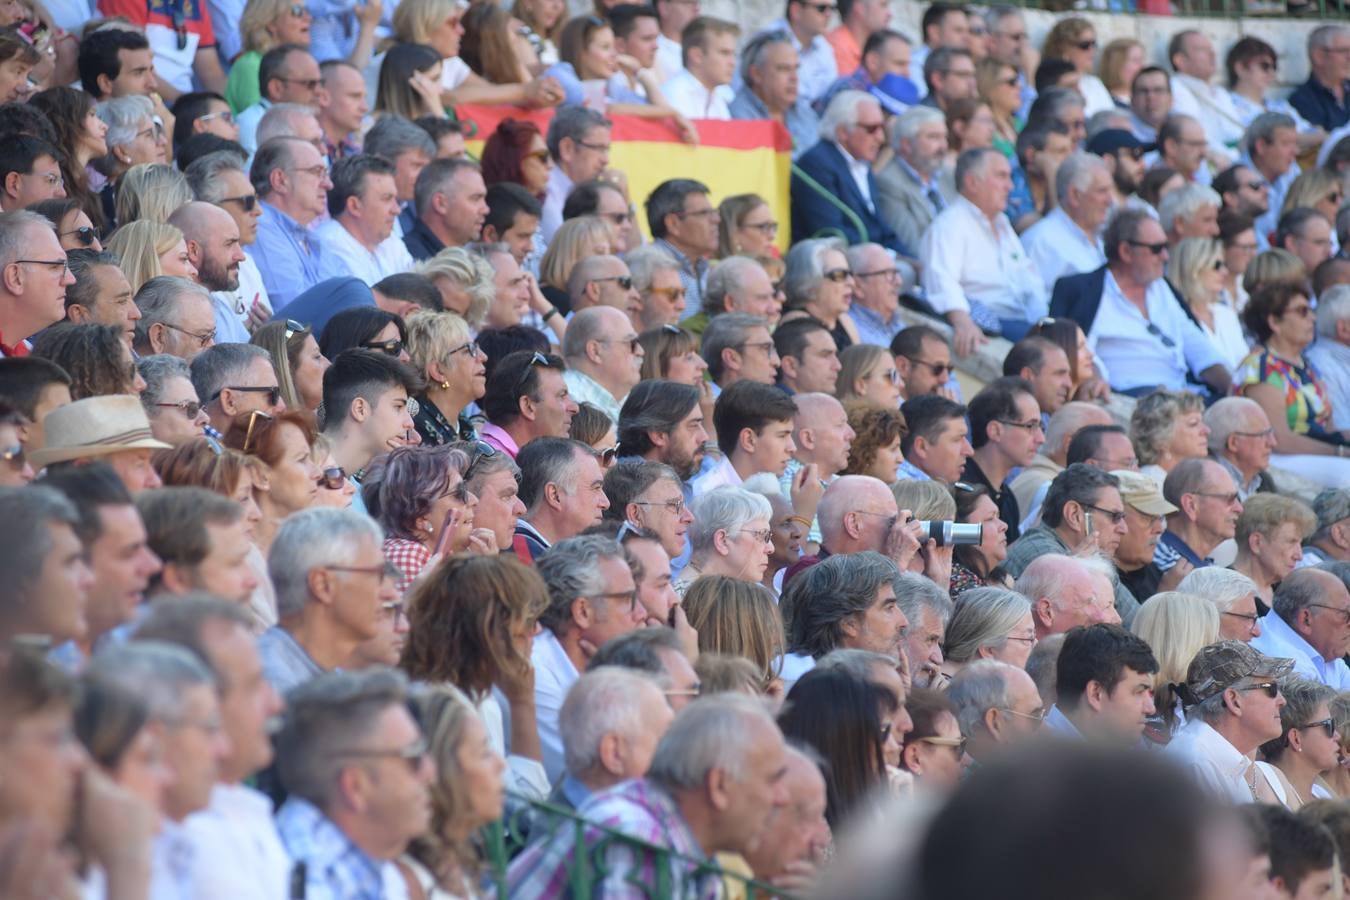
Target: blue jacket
[(1078, 297), (812, 212)]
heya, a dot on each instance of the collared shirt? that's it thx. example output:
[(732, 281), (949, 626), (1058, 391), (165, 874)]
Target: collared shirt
[(907, 470), (817, 69), (693, 276), (861, 173), (1331, 359), (847, 53), (639, 809), (1215, 763), (554, 675), (421, 242), (1172, 548), (238, 855), (1278, 640), (800, 119), (555, 195), (1136, 349), (285, 663), (289, 255), (872, 329), (345, 255), (1316, 103), (966, 257), (585, 389), (171, 858), (1247, 110), (1245, 489), (1057, 722), (1030, 485), (722, 475), (669, 58), (247, 120), (1266, 223), (693, 99), (932, 186), (232, 307), (1142, 130), (334, 867), (1213, 108), (498, 437), (1059, 246)]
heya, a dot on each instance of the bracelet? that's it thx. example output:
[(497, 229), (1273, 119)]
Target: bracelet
[(805, 522), (552, 311)]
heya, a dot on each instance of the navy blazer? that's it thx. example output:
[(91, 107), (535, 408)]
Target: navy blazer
[(812, 212), (1078, 297)]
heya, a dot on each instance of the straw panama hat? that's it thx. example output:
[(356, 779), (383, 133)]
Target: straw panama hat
[(95, 426)]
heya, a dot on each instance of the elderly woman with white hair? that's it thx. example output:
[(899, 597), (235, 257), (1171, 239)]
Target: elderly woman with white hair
[(1330, 354), (466, 281), (819, 284), (1197, 269), (1167, 427), (988, 623), (730, 535), (1232, 594), (1270, 533), (1190, 211), (134, 136)]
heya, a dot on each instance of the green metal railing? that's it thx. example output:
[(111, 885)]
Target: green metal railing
[(587, 865)]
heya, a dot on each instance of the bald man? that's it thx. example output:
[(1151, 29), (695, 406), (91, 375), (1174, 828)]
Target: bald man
[(858, 512), (1031, 483), (1063, 595), (604, 358), (604, 281), (214, 248)]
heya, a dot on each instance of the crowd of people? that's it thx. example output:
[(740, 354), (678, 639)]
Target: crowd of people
[(382, 520)]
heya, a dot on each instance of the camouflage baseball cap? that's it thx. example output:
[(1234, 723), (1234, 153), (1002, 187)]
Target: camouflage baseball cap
[(1219, 666)]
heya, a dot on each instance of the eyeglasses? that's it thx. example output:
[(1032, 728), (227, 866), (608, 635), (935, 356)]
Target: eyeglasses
[(394, 609), (1155, 249), (1270, 688), (1116, 516), (1328, 726), (309, 84), (413, 754), (1251, 619), (768, 229), (762, 537), (618, 218), (624, 281), (1266, 65), (671, 294), (599, 148), (156, 129), (13, 455), (766, 346), (318, 171), (299, 10), (1303, 312), (692, 691), (710, 212), (888, 274), (1022, 639), (957, 744), (189, 408), (273, 392), (224, 115), (1037, 717), (621, 596), (253, 418), (675, 506), (1257, 184), (50, 263), (1228, 499), (1009, 82), (1028, 426), (388, 348), (84, 234), (939, 370), (383, 570), (838, 276), (246, 201), (823, 9), (633, 343), (873, 128), (203, 338), (1345, 613), (478, 451), (333, 478), (471, 347), (539, 156), (1086, 45), (1263, 435), (293, 328)]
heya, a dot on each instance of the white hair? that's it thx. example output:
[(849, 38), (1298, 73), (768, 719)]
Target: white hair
[(607, 700), (1222, 587), (1185, 202), (1076, 172), (1332, 307), (843, 112), (724, 508), (312, 539)]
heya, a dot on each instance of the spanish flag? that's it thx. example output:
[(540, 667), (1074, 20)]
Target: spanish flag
[(731, 157)]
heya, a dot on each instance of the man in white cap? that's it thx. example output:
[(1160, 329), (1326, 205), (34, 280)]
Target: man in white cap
[(112, 429), (1145, 507)]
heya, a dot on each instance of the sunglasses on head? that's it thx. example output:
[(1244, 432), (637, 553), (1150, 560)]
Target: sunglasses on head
[(84, 235), (293, 328), (333, 478)]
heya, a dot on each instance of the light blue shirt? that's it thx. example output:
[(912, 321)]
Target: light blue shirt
[(1277, 639), (907, 470), (801, 120), (1267, 221), (288, 254), (1057, 722), (871, 328)]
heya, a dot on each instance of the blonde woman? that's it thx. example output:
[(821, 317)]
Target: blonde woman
[(1167, 427), (574, 240), (739, 618), (1175, 626), (1273, 267), (297, 362), (1199, 270), (1270, 535), (264, 25), (149, 249), (1075, 39), (1121, 61), (151, 191), (1318, 189), (867, 372), (465, 280), (445, 354)]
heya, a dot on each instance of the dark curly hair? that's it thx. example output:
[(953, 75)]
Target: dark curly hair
[(874, 427), (1269, 302), (95, 356)]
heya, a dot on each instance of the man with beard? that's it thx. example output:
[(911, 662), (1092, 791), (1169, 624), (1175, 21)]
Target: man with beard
[(359, 237), (1243, 191), (213, 244), (663, 421), (177, 317)]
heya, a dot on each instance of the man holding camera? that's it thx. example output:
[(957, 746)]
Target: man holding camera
[(1005, 432)]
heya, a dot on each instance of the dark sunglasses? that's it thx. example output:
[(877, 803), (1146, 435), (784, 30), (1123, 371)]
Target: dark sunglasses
[(333, 478), (84, 234), (1270, 688), (388, 348), (273, 393), (477, 451), (1155, 249), (624, 281), (838, 276), (1086, 45), (538, 359), (247, 201), (293, 328), (608, 455), (189, 408), (1327, 725)]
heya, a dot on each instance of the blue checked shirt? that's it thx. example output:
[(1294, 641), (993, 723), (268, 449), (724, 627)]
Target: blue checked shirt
[(334, 867), (288, 254)]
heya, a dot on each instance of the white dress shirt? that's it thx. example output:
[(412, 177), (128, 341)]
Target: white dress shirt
[(232, 307), (965, 257), (585, 389), (1135, 356), (1096, 98), (669, 58), (1227, 335), (1059, 247), (1277, 639), (555, 196), (1212, 761), (817, 69), (237, 852), (860, 172), (722, 475), (554, 676), (1331, 359), (345, 255), (1213, 108), (693, 99)]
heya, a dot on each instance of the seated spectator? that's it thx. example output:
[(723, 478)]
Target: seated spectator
[(1302, 852), (1197, 269), (562, 488), (366, 407), (1006, 432), (737, 346), (1044, 365), (96, 357), (1304, 625), (937, 445), (17, 472), (51, 580), (1307, 746), (1307, 234), (1060, 589), (1167, 427), (526, 398), (754, 432), (1269, 535), (923, 359), (997, 707), (875, 449), (512, 219), (910, 194), (1029, 485), (1066, 241), (101, 294), (111, 429), (1233, 595), (602, 378), (1087, 385), (662, 421), (286, 73), (30, 304), (843, 601), (29, 172), (1042, 145), (1277, 376), (132, 137), (656, 278), (465, 282), (933, 750), (957, 276), (988, 623), (730, 536), (1331, 353), (746, 226), (35, 386), (442, 349), (808, 355), (363, 206), (659, 652), (177, 317), (202, 539), (292, 184), (1176, 626), (701, 90), (684, 223), (1133, 319), (1233, 703), (851, 136), (1104, 685), (948, 76), (235, 379), (450, 202), (1321, 99), (1331, 541), (578, 141), (606, 201), (739, 618), (721, 740), (768, 61), (1146, 510), (978, 565), (1082, 503), (329, 725), (1208, 507)]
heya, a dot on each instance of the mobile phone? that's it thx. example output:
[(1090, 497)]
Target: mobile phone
[(1087, 522), (447, 532)]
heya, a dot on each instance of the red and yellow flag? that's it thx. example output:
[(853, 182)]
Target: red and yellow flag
[(731, 157)]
